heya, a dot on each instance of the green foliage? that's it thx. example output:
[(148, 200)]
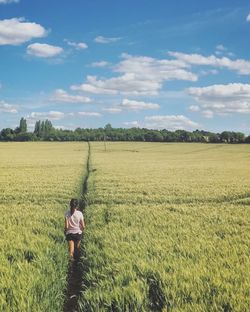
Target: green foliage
[(45, 131), (23, 125)]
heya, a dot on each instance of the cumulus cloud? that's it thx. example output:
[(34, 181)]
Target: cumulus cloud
[(248, 18), (8, 1), (112, 110), (170, 122), (99, 64), (137, 105), (77, 45), (138, 76), (89, 114), (62, 96), (7, 108), (16, 31), (134, 123), (240, 66), (43, 50), (222, 99), (101, 39), (221, 47), (51, 115), (125, 84), (149, 68), (194, 108)]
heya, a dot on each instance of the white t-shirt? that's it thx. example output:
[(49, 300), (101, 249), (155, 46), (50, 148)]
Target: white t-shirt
[(74, 222)]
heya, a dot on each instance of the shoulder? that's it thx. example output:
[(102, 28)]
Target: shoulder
[(79, 213)]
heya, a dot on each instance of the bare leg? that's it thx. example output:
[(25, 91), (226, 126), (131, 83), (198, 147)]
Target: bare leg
[(71, 248), (78, 245), (77, 248)]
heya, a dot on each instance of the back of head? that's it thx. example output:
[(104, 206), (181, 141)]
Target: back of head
[(73, 205)]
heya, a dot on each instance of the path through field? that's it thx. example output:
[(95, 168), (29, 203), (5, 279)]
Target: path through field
[(75, 271)]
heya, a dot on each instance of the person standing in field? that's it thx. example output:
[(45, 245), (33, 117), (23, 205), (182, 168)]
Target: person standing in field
[(74, 226)]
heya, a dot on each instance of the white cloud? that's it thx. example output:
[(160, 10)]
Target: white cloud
[(63, 97), (43, 50), (194, 108), (7, 108), (132, 124), (222, 99), (125, 84), (99, 64), (139, 76), (170, 122), (148, 68), (77, 45), (221, 47), (51, 115), (89, 114), (240, 66), (112, 110), (208, 113), (137, 105), (16, 31), (8, 1), (101, 39), (248, 18)]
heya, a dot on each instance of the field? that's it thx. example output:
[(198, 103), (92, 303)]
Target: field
[(167, 226), (36, 182)]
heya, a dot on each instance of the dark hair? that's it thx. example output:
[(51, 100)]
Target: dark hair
[(73, 204)]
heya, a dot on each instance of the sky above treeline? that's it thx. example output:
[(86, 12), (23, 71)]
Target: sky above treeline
[(135, 63)]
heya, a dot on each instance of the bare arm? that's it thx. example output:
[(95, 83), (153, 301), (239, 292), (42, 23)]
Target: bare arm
[(82, 224), (66, 224)]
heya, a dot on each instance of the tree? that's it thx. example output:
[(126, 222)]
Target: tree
[(225, 136), (7, 134), (247, 139), (37, 130), (23, 125)]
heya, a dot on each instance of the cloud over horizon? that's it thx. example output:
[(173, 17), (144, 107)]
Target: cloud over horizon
[(170, 122), (221, 99), (139, 75), (7, 108), (137, 105), (51, 115), (62, 96)]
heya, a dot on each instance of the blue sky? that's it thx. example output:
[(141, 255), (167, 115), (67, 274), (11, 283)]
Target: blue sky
[(155, 64)]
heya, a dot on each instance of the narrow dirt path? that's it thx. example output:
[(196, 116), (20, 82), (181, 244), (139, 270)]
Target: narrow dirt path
[(75, 271)]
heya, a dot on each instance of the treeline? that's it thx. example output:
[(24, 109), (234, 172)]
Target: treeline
[(44, 131)]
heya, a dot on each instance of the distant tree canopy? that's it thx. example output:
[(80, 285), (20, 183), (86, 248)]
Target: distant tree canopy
[(44, 131)]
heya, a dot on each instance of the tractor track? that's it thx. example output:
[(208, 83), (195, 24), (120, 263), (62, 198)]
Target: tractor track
[(75, 268)]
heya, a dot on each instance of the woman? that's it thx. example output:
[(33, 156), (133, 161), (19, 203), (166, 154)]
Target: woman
[(74, 225)]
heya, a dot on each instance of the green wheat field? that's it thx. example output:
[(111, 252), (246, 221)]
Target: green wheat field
[(167, 226)]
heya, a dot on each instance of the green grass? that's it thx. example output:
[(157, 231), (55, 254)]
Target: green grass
[(168, 228), (37, 181)]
